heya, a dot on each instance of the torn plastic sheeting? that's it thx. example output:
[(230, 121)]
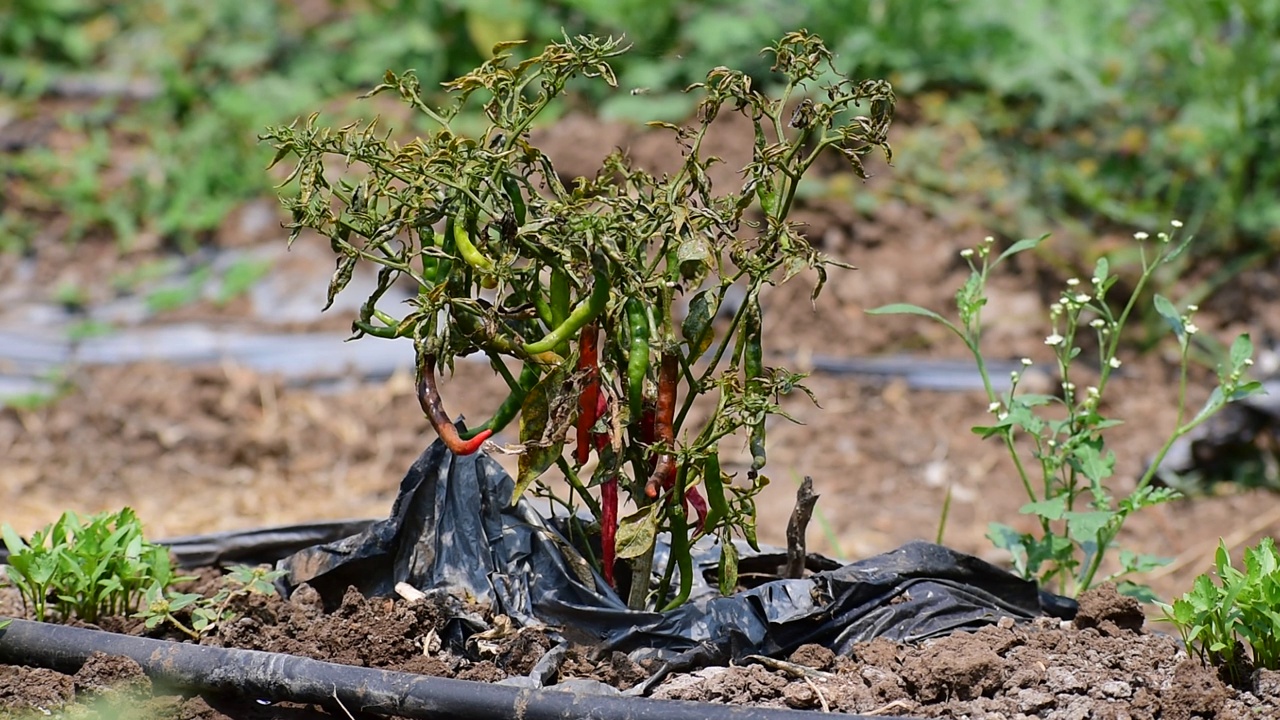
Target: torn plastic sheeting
[(451, 529)]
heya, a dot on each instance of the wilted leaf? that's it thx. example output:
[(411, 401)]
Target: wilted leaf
[(697, 326), (637, 532), (542, 444), (341, 276)]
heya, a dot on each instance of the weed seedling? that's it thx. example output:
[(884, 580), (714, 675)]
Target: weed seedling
[(207, 613), (1070, 466), (86, 567), (1219, 621)]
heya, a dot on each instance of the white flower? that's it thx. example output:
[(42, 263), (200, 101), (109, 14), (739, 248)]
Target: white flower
[(1081, 298), (1054, 339), (1091, 391), (1097, 323), (1176, 223), (1026, 362), (1140, 235), (1191, 328), (1114, 363), (1002, 416), (1192, 308), (993, 407), (1069, 386), (1248, 362), (966, 253), (988, 239), (1073, 282)]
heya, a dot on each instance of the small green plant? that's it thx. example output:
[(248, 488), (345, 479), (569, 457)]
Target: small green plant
[(86, 567), (1078, 515), (206, 613), (582, 285), (1218, 622)]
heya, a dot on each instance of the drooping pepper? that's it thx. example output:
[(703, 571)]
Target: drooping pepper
[(584, 312), (638, 362), (588, 400), (609, 527), (663, 431), (713, 481), (681, 552), (433, 406)]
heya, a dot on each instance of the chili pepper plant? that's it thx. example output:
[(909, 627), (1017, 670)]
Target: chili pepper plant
[(597, 300)]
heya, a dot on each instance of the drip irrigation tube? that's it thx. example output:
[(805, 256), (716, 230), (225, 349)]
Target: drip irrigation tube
[(287, 678)]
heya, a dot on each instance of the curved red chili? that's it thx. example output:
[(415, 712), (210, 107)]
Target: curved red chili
[(433, 406)]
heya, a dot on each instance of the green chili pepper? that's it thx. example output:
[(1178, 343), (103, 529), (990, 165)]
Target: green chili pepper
[(638, 362), (468, 250), (514, 194), (390, 327), (374, 330), (511, 406), (586, 311), (681, 551), (714, 483), (559, 302)]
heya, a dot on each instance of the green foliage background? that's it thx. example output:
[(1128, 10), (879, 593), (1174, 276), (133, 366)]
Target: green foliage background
[(1124, 112)]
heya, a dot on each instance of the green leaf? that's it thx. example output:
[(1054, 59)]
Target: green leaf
[(1241, 352), (637, 532), (1053, 508), (12, 540), (1089, 460), (909, 309), (1085, 526), (1180, 248), (1100, 271), (5, 623), (1020, 246), (1171, 316)]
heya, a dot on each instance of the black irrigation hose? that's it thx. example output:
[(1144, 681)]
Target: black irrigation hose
[(287, 678)]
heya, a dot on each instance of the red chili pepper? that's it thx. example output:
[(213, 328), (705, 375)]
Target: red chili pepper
[(600, 440), (664, 472), (433, 406), (609, 527), (694, 498), (589, 400)]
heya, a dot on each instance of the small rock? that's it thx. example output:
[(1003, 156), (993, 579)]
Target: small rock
[(1005, 623), (800, 696), (1032, 701), (1062, 680), (1266, 683), (1116, 689)]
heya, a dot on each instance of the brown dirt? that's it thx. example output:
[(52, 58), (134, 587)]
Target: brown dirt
[(1105, 665), (222, 447)]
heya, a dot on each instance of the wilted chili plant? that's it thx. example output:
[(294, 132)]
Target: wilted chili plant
[(581, 285)]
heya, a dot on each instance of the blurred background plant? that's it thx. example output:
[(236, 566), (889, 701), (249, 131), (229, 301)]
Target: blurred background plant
[(1091, 113)]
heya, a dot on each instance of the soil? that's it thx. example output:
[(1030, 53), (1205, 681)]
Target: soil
[(1105, 664), (221, 446)]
